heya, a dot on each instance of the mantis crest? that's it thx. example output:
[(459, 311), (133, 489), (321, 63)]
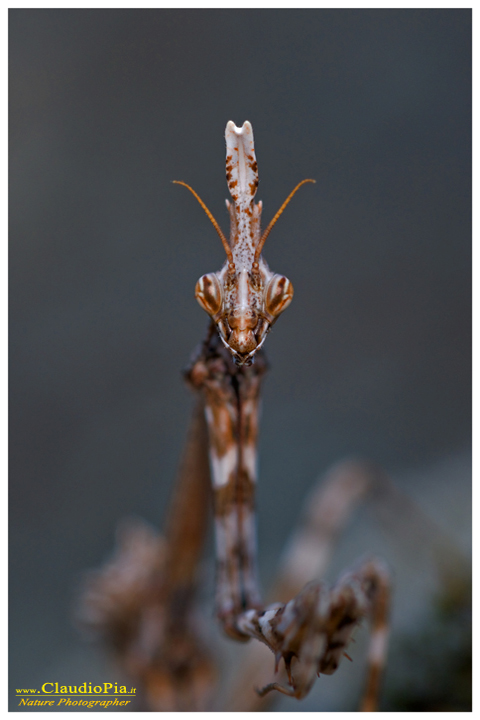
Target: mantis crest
[(244, 298)]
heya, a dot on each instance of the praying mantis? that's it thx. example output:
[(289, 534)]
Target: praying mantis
[(244, 299), (145, 597)]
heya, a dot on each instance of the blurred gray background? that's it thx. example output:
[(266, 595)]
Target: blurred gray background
[(371, 359)]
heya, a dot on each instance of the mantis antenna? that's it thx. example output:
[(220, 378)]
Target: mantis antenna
[(225, 244), (275, 218)]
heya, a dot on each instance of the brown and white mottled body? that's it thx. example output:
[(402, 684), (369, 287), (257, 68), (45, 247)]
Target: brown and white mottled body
[(243, 300), (314, 629), (231, 396)]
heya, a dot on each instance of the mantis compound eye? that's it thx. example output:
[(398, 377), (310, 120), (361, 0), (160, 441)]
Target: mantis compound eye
[(278, 295), (209, 294)]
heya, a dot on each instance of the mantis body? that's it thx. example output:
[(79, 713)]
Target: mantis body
[(144, 600), (244, 299)]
